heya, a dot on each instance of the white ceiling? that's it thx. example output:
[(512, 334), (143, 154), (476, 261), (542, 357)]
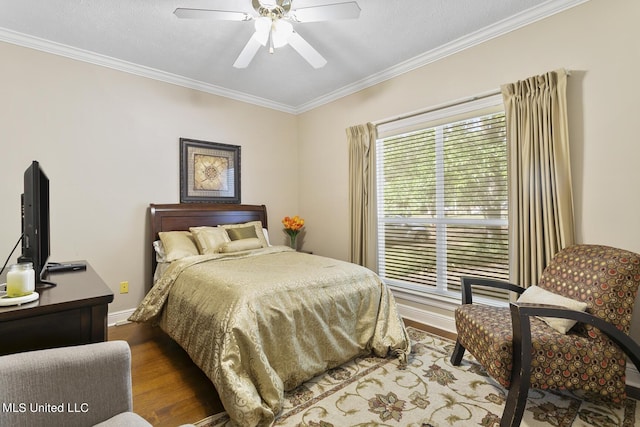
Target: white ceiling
[(145, 37)]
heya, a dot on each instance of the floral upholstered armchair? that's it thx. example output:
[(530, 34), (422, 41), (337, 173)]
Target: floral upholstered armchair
[(534, 343)]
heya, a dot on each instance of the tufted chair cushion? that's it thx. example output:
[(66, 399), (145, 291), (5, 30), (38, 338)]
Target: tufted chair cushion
[(584, 359)]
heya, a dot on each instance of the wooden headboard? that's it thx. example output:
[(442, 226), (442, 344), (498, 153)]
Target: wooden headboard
[(179, 217)]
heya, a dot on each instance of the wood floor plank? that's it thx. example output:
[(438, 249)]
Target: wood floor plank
[(168, 388)]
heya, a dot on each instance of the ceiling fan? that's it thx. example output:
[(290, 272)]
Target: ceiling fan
[(273, 25)]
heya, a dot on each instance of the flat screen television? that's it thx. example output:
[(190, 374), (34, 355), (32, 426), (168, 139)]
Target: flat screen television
[(35, 220)]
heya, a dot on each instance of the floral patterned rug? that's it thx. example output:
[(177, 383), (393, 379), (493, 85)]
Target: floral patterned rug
[(429, 392)]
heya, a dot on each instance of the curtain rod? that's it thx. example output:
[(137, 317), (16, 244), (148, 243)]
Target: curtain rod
[(446, 105), (438, 107)]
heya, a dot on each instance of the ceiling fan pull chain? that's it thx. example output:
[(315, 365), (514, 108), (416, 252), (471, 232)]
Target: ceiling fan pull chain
[(273, 28)]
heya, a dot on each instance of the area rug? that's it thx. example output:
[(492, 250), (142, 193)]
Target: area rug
[(429, 391)]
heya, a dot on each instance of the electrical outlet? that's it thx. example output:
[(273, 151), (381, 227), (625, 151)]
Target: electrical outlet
[(124, 287)]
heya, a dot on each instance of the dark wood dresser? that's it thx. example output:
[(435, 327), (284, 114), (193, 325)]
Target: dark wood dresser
[(73, 312)]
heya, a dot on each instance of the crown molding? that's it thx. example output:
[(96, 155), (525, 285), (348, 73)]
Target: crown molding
[(498, 29), (60, 49), (503, 27)]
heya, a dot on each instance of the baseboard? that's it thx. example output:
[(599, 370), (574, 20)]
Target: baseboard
[(119, 317), (436, 320), (448, 324)]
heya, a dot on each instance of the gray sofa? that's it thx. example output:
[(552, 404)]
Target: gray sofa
[(70, 386)]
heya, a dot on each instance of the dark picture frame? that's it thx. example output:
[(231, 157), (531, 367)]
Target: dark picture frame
[(209, 172)]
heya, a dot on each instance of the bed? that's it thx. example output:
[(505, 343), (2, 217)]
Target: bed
[(262, 320)]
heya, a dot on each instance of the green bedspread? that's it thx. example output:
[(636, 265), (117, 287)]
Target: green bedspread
[(264, 321)]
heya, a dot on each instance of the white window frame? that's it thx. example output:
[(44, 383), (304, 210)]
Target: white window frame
[(438, 297)]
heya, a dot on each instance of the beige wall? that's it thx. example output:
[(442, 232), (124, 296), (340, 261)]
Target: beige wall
[(108, 141), (598, 41)]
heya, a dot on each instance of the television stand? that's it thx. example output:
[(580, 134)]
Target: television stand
[(73, 312)]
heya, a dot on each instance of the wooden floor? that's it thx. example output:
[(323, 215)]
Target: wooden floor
[(168, 388)]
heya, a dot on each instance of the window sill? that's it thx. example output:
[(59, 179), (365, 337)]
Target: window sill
[(433, 299), (427, 298)]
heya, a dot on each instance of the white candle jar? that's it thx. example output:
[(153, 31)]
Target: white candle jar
[(21, 280)]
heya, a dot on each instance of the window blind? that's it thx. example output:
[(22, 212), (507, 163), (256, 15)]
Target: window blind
[(442, 204)]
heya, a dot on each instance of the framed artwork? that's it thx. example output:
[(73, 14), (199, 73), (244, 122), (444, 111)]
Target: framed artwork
[(209, 172)]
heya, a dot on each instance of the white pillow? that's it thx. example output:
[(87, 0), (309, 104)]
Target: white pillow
[(161, 256), (537, 295)]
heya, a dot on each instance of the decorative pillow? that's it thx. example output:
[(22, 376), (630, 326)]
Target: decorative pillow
[(537, 295), (158, 247), (241, 245), (178, 244), (247, 230), (209, 239), (240, 233)]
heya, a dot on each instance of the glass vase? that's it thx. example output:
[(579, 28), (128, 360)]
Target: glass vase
[(293, 241)]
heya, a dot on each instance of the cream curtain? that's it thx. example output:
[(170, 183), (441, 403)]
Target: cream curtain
[(540, 196), (361, 141)]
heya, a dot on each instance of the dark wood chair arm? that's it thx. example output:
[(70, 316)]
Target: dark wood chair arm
[(520, 313), (521, 370), (467, 282)]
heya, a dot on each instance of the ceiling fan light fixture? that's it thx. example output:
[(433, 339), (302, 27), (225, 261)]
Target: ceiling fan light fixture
[(281, 32), (263, 28), (269, 4), (272, 8), (275, 32), (273, 25)]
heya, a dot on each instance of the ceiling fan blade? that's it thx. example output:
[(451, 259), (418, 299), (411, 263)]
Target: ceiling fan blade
[(249, 51), (346, 10), (218, 15), (306, 51)]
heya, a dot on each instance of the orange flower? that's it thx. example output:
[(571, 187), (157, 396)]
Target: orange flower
[(292, 227), (292, 224)]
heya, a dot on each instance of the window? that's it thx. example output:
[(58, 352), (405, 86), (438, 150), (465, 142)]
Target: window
[(442, 199)]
